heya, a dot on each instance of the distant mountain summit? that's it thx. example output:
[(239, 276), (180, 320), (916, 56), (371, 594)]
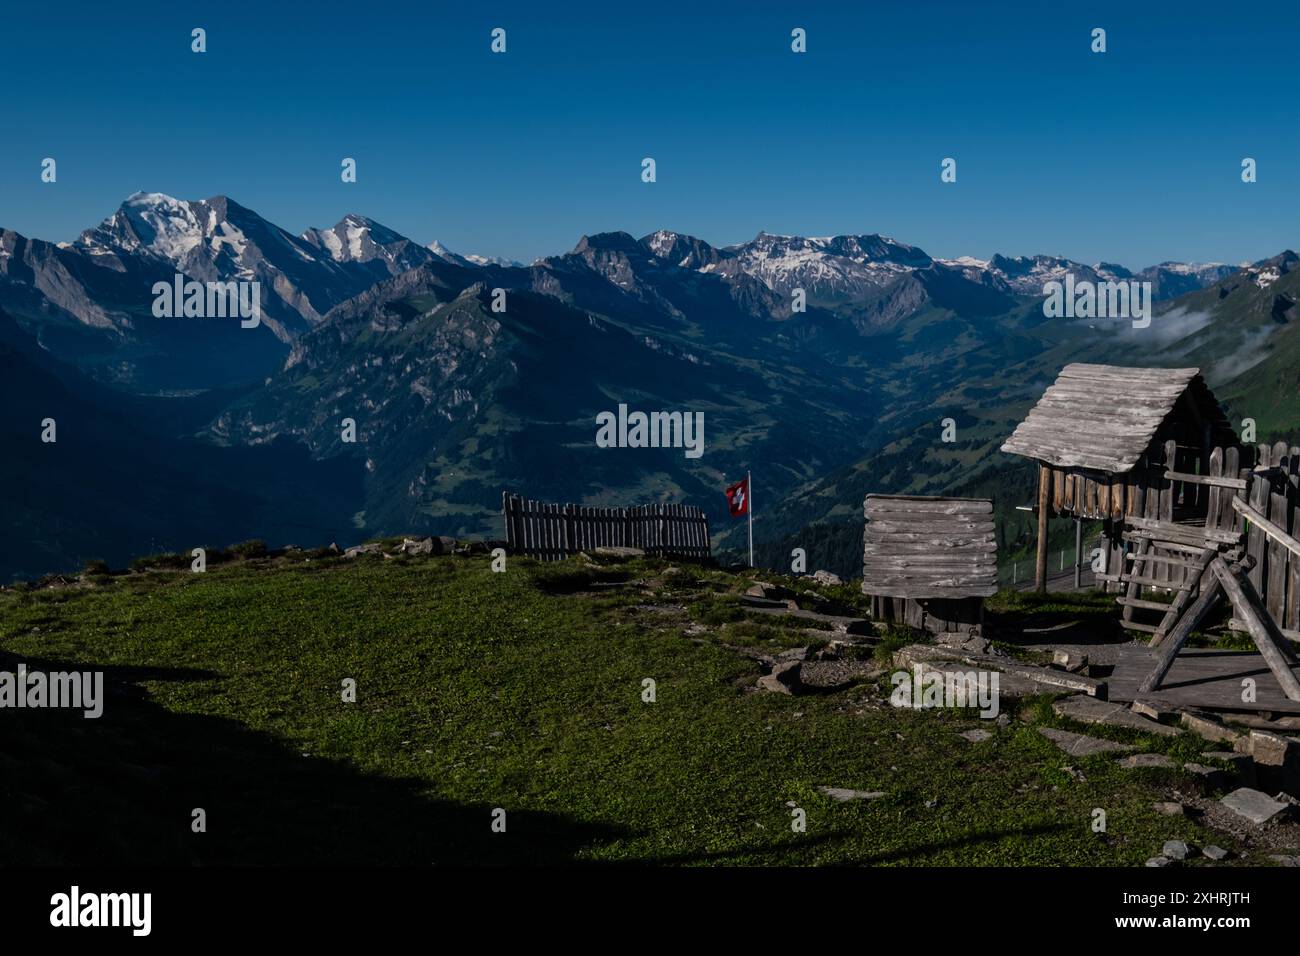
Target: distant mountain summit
[(89, 301)]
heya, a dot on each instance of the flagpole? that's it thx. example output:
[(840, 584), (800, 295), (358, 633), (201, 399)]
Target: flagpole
[(749, 486)]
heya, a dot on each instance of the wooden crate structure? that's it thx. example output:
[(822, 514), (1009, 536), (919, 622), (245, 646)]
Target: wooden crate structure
[(552, 532), (929, 562)]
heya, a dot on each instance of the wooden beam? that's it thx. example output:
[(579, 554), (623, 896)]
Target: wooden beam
[(1040, 565), (1251, 613), (1290, 634), (1173, 642), (1184, 595), (1184, 532), (1268, 527), (1206, 480)]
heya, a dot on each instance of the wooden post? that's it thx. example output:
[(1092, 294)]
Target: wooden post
[(1044, 489), (1078, 551)]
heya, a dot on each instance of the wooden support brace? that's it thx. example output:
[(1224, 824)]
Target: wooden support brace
[(1175, 609), (1245, 600), (1211, 590)]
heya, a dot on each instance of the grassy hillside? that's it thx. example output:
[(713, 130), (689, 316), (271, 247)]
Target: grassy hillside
[(520, 690)]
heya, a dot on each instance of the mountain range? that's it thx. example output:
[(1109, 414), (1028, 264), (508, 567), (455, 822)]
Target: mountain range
[(466, 375)]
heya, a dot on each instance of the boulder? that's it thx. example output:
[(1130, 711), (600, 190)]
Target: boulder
[(1214, 852), (1176, 850), (1168, 808), (826, 577), (373, 548), (976, 735)]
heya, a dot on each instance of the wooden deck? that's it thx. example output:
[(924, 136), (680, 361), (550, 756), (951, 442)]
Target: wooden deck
[(1201, 678)]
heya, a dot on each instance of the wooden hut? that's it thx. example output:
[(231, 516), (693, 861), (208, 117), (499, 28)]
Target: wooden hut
[(929, 562), (1150, 453), (1112, 444)]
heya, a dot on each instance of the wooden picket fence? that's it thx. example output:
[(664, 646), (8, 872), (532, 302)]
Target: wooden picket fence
[(1270, 509), (552, 532)]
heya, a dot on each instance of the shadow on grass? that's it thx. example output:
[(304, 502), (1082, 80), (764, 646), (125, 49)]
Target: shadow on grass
[(912, 854), (120, 790), (1026, 619)]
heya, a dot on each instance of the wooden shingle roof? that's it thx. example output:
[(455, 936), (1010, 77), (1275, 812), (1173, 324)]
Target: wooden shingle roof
[(929, 547), (1104, 417)]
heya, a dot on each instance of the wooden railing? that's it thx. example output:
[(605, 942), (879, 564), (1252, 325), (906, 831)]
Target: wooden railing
[(552, 532)]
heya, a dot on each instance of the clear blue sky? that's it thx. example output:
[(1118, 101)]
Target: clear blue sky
[(1132, 156)]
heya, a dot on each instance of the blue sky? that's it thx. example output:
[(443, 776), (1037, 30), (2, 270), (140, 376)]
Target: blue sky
[(1132, 156)]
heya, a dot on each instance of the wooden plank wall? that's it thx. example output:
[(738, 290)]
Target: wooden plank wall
[(552, 532)]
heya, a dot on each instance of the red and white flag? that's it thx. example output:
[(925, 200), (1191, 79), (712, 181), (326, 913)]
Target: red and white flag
[(738, 498)]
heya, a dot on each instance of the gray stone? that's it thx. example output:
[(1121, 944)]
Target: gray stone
[(1269, 748), (1215, 852), (1070, 660), (1080, 745), (1156, 710), (976, 736), (420, 546), (618, 554), (1089, 710), (1176, 849), (784, 678), (793, 654), (1159, 861), (826, 577), (843, 795), (1215, 778), (360, 549), (1283, 860), (1277, 760), (769, 592), (1145, 761), (1210, 729), (1243, 768), (1168, 808), (1259, 808)]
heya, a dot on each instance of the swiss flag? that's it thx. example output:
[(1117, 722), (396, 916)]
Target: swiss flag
[(738, 498)]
